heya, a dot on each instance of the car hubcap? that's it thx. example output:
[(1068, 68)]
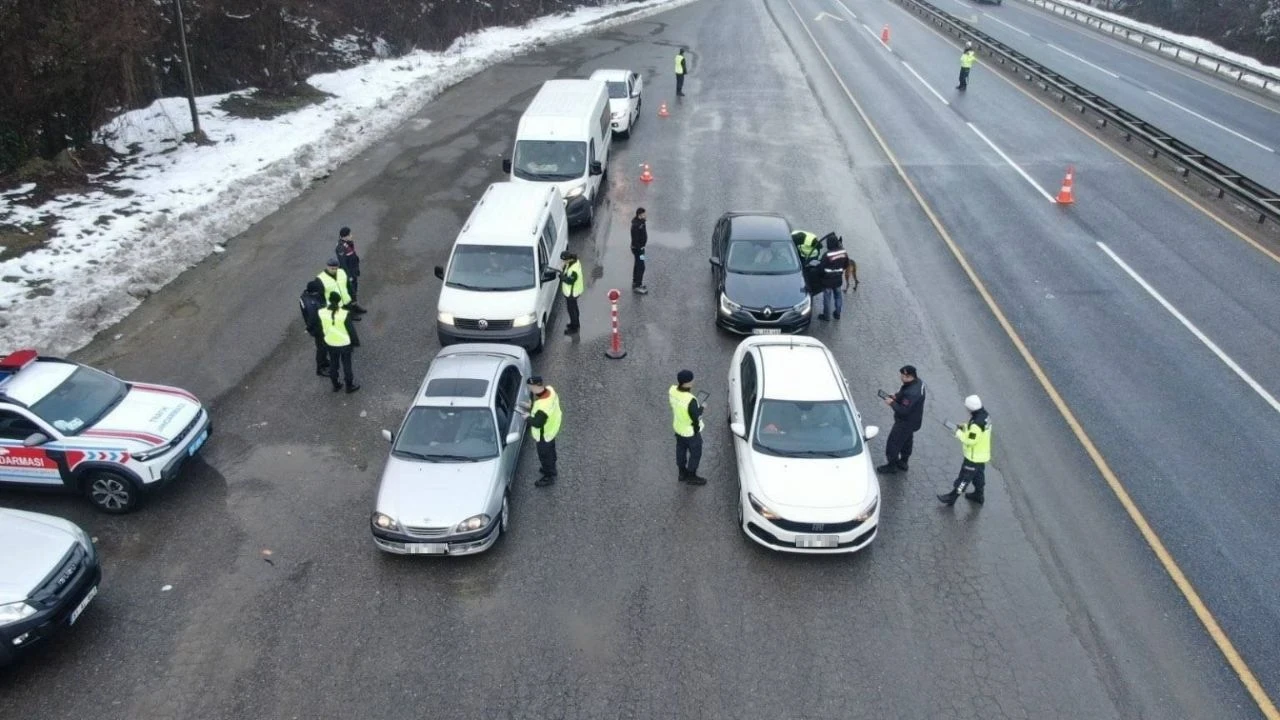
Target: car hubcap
[(110, 493), (505, 515)]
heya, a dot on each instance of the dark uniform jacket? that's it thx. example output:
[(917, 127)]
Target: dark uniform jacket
[(908, 405), (348, 259), (310, 303), (639, 233)]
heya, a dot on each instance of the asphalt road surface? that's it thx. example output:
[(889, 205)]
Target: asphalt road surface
[(1231, 124), (620, 592)]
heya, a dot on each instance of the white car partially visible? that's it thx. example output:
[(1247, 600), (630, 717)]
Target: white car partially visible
[(625, 91), (806, 480)]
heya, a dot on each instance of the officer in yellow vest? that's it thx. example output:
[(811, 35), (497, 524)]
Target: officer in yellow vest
[(682, 69), (572, 284), (975, 439), (339, 338), (807, 244), (686, 420), (967, 58), (335, 280), (544, 423)]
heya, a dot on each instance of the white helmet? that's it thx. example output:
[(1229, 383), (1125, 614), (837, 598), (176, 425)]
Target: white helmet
[(973, 402)]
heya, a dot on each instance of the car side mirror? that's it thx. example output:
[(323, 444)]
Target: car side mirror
[(388, 435), (715, 261), (870, 431), (35, 439), (549, 274), (635, 92), (597, 168), (506, 165), (738, 429), (439, 272), (513, 437)]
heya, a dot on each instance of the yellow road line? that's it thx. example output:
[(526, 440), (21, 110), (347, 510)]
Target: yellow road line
[(1219, 636)]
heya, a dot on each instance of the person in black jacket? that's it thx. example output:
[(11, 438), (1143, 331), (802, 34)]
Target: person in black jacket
[(349, 261), (908, 415), (639, 238), (311, 302)]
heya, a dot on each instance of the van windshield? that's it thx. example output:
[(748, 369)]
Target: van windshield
[(549, 160), (491, 267)]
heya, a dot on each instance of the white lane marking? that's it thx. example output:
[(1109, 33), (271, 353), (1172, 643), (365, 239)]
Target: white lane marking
[(824, 15), (1012, 164), (1275, 404), (1099, 68), (926, 84), (846, 9), (1218, 125), (1011, 27)]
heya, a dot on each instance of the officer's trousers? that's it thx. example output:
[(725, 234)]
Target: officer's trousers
[(897, 449), (547, 457), (341, 356), (322, 355), (964, 78), (571, 304), (974, 473), (679, 83), (689, 453)]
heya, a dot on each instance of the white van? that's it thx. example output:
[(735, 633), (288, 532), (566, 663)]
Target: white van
[(501, 282), (564, 138)]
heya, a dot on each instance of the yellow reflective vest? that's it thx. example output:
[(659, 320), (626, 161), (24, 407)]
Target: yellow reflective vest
[(579, 284), (681, 421), (967, 58), (335, 283), (679, 64), (551, 406), (975, 439), (809, 247), (333, 323)]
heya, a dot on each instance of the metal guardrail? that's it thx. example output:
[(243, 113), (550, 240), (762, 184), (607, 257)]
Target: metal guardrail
[(1225, 180), (1200, 59)]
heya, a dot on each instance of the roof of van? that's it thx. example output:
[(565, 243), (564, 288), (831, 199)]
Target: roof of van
[(507, 214), (565, 98)]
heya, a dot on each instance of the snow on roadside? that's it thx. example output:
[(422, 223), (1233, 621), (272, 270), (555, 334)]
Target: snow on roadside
[(1158, 32), (173, 204)]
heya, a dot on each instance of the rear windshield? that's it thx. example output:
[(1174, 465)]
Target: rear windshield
[(617, 90), (491, 267)]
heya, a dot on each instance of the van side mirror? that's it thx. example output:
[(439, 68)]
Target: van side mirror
[(506, 165), (549, 274), (439, 272), (869, 432), (35, 439), (597, 168), (513, 437), (388, 435), (738, 429), (715, 261)]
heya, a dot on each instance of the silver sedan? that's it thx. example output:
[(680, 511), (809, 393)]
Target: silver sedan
[(446, 485)]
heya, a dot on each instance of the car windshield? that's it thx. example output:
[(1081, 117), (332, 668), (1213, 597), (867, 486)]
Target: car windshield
[(787, 428), (549, 160), (762, 257), (491, 267), (448, 434), (617, 90), (80, 401)]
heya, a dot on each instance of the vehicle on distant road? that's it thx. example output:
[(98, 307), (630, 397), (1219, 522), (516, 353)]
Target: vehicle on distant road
[(445, 489), (625, 97), (806, 482), (49, 574), (759, 279), (989, 2), (66, 425)]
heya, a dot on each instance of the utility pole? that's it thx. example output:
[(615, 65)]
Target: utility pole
[(196, 134)]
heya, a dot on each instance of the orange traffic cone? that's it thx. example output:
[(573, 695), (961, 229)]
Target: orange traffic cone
[(645, 175), (662, 110), (884, 34), (1066, 195)]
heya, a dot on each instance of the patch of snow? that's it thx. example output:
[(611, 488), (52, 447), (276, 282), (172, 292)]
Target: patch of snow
[(174, 203)]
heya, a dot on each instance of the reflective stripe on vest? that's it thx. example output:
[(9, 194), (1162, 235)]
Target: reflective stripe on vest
[(574, 290), (551, 406), (967, 59), (334, 325), (679, 64), (335, 283), (809, 246), (680, 420), (976, 441)]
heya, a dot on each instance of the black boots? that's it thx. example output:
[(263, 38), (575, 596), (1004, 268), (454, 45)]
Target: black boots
[(692, 479), (949, 498), (975, 496)]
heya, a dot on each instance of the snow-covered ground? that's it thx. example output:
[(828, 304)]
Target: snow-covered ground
[(1196, 43), (173, 203)]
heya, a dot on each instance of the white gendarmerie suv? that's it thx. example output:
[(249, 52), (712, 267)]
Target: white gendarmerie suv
[(805, 476), (66, 425), (625, 91)]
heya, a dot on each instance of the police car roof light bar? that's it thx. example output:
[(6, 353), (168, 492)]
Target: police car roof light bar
[(15, 361)]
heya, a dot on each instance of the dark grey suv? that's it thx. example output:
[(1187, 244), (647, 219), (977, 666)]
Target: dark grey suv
[(759, 280)]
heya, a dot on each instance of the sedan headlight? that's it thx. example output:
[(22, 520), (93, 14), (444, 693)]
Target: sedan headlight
[(153, 453), (445, 318), (525, 320), (616, 116), (869, 510), (472, 524), (727, 306), (574, 192), (384, 522), (760, 508), (13, 612), (804, 306)]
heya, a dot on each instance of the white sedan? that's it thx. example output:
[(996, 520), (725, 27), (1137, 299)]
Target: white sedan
[(625, 88), (805, 477)]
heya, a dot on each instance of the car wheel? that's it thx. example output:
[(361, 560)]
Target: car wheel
[(505, 519), (112, 492), (741, 521), (591, 211), (542, 337)]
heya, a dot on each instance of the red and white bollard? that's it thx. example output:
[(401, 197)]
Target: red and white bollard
[(615, 351)]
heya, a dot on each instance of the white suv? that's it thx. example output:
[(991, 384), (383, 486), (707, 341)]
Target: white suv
[(63, 424), (806, 480)]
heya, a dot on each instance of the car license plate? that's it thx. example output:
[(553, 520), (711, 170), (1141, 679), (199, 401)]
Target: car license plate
[(75, 614), (766, 331), (817, 541), (196, 444), (427, 548)]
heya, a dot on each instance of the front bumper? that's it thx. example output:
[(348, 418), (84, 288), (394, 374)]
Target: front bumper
[(17, 638), (526, 337), (468, 544), (785, 536), (577, 210), (195, 442), (748, 322)]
